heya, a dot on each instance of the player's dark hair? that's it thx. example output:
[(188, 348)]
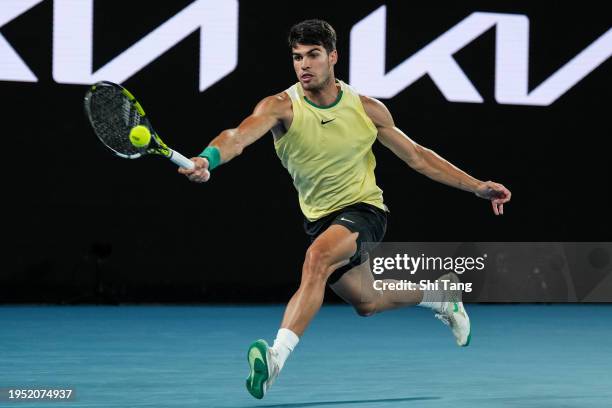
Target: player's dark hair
[(313, 32)]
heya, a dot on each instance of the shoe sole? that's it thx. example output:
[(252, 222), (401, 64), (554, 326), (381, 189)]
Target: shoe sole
[(469, 336), (258, 364)]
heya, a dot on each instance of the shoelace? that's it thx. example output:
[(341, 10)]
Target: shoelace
[(443, 318)]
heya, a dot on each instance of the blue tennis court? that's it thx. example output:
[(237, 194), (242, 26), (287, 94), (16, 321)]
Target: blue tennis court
[(194, 356)]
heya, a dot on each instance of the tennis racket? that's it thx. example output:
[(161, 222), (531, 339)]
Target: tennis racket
[(113, 112)]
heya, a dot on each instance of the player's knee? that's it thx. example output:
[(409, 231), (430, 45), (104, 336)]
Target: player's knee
[(317, 258), (316, 264), (365, 309)]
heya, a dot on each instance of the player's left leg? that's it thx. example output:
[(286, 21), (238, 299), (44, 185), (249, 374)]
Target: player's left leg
[(357, 288)]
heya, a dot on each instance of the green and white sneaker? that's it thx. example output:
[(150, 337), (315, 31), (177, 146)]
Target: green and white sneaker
[(453, 314), (264, 368)]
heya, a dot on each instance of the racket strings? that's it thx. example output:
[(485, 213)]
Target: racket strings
[(113, 115)]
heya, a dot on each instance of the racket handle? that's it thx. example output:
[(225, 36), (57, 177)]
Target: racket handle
[(180, 160)]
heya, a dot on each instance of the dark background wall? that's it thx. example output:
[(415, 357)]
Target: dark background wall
[(74, 212)]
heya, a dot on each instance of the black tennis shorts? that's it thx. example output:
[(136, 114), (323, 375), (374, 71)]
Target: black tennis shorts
[(368, 220)]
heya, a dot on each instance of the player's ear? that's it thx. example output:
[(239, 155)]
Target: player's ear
[(333, 57)]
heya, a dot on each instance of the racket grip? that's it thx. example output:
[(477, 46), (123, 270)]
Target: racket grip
[(180, 160)]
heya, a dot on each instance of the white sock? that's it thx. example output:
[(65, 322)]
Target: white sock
[(431, 300), (285, 342)]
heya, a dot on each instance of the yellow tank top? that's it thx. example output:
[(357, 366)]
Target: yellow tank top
[(328, 153)]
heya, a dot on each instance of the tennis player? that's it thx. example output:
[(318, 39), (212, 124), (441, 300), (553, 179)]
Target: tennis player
[(323, 133)]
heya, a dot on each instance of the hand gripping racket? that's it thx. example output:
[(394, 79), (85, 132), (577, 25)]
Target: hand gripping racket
[(113, 112)]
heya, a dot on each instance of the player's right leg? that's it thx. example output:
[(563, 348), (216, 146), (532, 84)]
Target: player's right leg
[(330, 250)]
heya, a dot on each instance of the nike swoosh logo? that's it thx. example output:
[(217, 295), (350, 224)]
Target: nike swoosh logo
[(323, 122), (345, 219)]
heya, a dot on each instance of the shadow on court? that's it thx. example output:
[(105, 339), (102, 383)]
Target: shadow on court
[(355, 402)]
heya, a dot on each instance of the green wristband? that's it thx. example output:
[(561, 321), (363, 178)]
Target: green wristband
[(212, 154)]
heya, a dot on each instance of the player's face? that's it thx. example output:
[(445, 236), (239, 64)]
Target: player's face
[(313, 66)]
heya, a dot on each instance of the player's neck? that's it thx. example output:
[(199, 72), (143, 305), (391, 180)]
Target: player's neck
[(325, 95)]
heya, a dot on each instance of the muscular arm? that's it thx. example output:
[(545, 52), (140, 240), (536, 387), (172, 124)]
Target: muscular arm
[(420, 158), (231, 142), (267, 113), (426, 161)]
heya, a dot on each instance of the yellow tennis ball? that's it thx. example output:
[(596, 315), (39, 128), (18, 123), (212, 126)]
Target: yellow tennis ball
[(140, 136)]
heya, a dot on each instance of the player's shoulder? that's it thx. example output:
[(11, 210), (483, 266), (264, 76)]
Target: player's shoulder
[(366, 101), (279, 104), (376, 110), (371, 102), (279, 100)]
